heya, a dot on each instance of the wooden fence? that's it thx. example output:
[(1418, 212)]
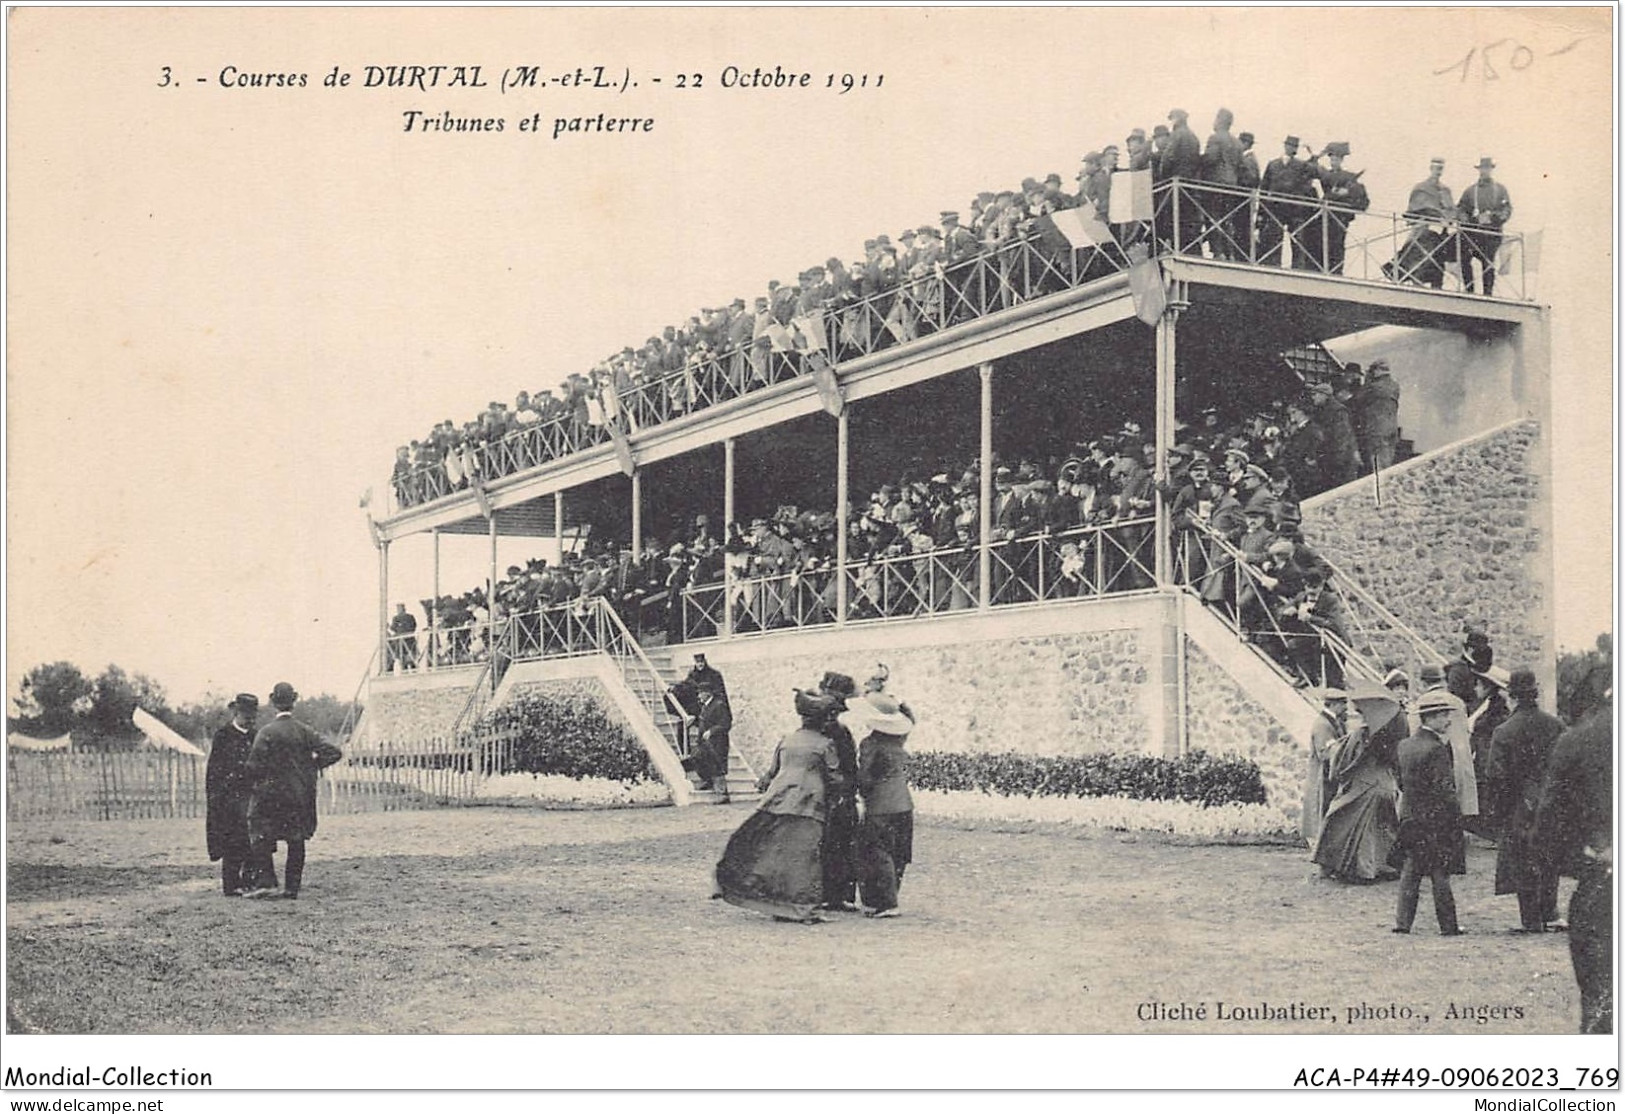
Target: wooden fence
[(133, 785), (409, 774)]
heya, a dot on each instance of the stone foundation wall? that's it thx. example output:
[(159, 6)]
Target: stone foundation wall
[(1062, 694), (418, 713), (1458, 536), (1221, 718)]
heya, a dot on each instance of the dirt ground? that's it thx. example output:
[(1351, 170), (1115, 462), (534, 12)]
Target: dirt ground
[(486, 920)]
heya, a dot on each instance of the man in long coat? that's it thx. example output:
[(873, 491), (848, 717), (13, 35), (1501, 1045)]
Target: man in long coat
[(1376, 416), (226, 786), (712, 724), (282, 767), (1429, 816), (1574, 835), (1519, 750)]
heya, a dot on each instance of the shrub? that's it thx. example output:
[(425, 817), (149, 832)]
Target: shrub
[(1196, 777), (571, 736)]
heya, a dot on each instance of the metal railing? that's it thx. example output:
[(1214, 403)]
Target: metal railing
[(1306, 641), (1312, 234)]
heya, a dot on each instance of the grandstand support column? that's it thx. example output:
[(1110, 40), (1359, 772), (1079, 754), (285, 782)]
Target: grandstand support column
[(843, 511), (984, 556), (491, 595), (558, 522), (434, 611), (637, 511), (383, 607), (1167, 331), (727, 532)]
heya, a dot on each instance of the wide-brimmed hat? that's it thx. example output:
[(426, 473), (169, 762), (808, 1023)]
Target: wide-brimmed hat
[(1431, 674), (284, 695), (1486, 163), (1439, 700), (883, 713), (246, 701)]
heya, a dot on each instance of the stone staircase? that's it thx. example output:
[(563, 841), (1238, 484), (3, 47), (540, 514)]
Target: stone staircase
[(671, 663)]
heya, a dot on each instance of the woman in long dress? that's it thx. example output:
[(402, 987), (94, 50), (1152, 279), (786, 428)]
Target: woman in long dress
[(773, 863), (1362, 821)]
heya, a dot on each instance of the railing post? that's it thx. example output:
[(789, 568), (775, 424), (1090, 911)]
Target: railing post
[(727, 533), (984, 559), (383, 606), (843, 512)]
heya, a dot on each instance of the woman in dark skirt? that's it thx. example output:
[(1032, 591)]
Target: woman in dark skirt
[(773, 863)]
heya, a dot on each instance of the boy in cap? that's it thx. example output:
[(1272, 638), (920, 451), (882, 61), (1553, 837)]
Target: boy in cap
[(226, 787), (1429, 817)]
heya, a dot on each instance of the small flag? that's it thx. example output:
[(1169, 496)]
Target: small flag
[(366, 498), (829, 390), (623, 450), (1131, 196), (595, 410), (810, 329), (1145, 284), (481, 498), (779, 336), (1081, 228)]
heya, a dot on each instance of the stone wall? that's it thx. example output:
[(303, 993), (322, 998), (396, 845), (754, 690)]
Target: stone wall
[(1221, 718), (1070, 693), (1458, 536), (395, 714)]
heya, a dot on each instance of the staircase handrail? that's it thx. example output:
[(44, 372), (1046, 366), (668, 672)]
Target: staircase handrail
[(1356, 590), (611, 620), (465, 717), (1350, 659), (352, 717)]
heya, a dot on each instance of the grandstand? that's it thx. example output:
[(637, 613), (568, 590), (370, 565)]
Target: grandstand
[(1021, 352)]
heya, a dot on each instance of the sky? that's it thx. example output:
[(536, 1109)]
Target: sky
[(227, 305)]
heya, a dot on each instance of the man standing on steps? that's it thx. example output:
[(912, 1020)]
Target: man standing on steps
[(711, 726), (1376, 416), (282, 768)]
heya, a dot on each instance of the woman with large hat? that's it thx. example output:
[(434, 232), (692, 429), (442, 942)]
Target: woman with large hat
[(886, 836), (773, 863)]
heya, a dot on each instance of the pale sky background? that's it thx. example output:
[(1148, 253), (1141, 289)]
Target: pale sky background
[(228, 306)]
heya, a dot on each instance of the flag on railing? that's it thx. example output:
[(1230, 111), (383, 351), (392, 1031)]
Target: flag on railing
[(481, 497), (1145, 284), (1078, 228), (623, 450), (1530, 242), (829, 390), (1131, 196), (809, 329)]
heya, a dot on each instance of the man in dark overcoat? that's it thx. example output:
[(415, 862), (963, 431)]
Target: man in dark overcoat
[(1574, 835), (712, 723), (1519, 750), (282, 767), (1376, 416), (1429, 815), (225, 783)]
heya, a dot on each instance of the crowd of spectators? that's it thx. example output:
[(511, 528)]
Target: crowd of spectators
[(913, 542), (895, 292)]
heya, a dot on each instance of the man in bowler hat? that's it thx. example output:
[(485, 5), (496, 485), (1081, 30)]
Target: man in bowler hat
[(1429, 816), (283, 764), (1519, 751), (225, 783)]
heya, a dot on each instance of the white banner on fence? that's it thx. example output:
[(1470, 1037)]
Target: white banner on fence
[(23, 742)]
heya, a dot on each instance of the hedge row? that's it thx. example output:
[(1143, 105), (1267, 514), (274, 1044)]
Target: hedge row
[(1196, 777), (571, 736)]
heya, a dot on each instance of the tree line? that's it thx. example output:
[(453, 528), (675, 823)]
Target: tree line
[(57, 699)]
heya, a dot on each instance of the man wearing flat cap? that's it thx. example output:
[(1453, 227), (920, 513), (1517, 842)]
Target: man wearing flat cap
[(1429, 817), (1485, 208), (1519, 752), (283, 764), (226, 787)]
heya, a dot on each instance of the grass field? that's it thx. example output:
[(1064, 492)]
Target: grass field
[(524, 921)]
